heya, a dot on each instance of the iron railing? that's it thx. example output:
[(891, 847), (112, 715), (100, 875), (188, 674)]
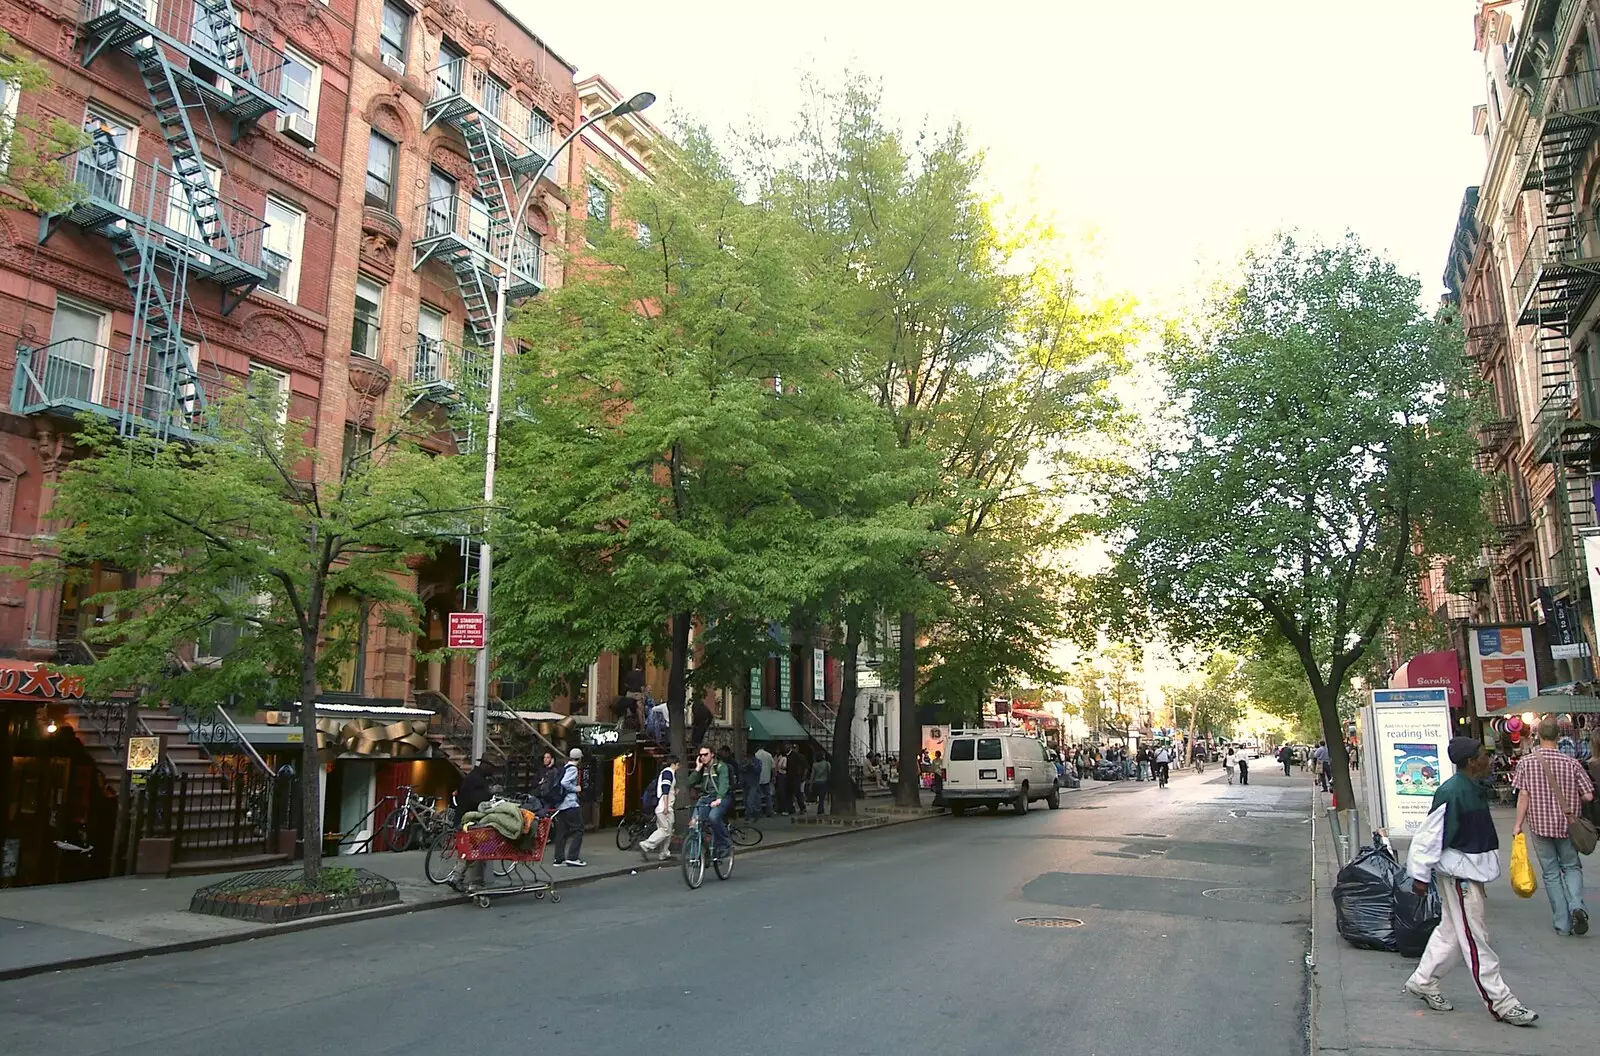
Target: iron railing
[(257, 62), (216, 815), (449, 225), (465, 367), (1569, 242), (131, 189), (81, 375), (518, 130)]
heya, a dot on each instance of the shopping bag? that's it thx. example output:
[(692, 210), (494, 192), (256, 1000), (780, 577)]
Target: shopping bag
[(1522, 879)]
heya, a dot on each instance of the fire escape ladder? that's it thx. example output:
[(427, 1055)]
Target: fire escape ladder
[(224, 33), (188, 166), (491, 183)]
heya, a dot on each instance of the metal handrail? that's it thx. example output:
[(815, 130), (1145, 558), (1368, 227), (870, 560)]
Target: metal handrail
[(520, 129), (94, 375), (260, 63), (1551, 244), (464, 366)]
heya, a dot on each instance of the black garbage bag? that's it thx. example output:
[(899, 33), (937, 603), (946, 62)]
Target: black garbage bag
[(1364, 899), (1415, 917)]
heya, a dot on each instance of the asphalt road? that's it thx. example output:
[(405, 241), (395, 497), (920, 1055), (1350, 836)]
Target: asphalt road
[(1193, 902)]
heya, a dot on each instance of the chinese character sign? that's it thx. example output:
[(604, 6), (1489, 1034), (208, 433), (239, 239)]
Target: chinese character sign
[(1503, 675)]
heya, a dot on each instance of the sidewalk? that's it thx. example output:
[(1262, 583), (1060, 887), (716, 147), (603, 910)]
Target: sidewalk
[(58, 926), (1358, 1009)]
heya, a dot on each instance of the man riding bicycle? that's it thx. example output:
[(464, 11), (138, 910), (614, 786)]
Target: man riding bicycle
[(712, 780)]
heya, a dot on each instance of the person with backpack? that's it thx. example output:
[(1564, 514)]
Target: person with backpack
[(569, 819), (658, 800)]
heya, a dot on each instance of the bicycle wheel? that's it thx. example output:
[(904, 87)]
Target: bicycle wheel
[(402, 833), (745, 835), (627, 834), (723, 866), (441, 861), (694, 863)]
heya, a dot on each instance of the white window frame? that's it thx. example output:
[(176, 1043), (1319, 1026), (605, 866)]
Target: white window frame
[(8, 114), (313, 91), (294, 249), (404, 47), (130, 130), (281, 379), (102, 339), (374, 319), (450, 58)]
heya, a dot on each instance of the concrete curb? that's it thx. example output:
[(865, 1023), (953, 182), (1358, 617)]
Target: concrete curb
[(272, 930)]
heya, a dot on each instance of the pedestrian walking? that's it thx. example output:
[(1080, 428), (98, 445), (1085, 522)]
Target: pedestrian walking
[(1319, 760), (666, 784), (764, 757), (476, 788), (821, 771), (1551, 790), (1229, 763), (938, 779), (1458, 850), (799, 777), (780, 781), (1243, 762), (569, 820), (1286, 757)]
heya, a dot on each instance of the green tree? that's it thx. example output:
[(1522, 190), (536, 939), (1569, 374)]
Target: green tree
[(682, 444), (244, 531), (36, 155), (1211, 701), (990, 367), (1320, 448)]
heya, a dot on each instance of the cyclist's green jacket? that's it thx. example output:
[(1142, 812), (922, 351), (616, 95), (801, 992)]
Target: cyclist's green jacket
[(714, 784)]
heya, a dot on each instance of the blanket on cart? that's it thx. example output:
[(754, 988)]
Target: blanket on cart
[(504, 816)]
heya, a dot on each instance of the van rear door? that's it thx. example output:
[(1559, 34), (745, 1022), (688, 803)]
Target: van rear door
[(961, 768), (991, 763)]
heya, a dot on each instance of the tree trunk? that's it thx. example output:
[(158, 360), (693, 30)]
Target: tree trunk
[(677, 684), (1194, 719), (841, 787), (1338, 757), (310, 761), (908, 789), (122, 828)]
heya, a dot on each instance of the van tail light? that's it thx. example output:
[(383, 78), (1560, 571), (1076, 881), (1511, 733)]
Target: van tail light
[(1011, 773)]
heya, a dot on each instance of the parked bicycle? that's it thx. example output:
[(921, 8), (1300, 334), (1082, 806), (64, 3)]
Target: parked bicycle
[(416, 820), (697, 849)]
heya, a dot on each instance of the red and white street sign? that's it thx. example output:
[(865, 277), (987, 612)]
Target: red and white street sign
[(466, 631)]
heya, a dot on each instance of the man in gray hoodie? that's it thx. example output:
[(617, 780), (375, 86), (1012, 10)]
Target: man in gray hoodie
[(569, 819)]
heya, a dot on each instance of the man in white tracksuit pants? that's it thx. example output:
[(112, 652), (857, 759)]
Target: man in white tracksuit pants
[(666, 784), (1459, 851)]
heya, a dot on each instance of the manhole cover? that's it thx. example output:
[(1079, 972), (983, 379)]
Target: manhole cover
[(1149, 835), (1252, 894), (1050, 922)]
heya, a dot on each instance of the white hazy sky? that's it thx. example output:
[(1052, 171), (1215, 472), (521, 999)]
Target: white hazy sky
[(1175, 132)]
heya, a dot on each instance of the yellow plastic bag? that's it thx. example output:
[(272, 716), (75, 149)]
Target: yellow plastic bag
[(1522, 879)]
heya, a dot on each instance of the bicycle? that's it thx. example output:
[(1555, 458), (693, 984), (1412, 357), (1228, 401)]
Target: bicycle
[(416, 820), (744, 835), (633, 828), (697, 849)]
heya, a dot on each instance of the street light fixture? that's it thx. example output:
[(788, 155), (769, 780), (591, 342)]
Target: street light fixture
[(491, 446)]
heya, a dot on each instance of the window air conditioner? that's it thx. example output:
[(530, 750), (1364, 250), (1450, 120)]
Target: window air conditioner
[(298, 127), (397, 65)]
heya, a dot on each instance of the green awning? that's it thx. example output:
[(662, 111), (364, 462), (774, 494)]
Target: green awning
[(773, 724)]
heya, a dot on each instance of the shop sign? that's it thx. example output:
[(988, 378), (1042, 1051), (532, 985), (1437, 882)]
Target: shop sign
[(819, 676), (1503, 675), (21, 681), (143, 754), (598, 734), (466, 631)]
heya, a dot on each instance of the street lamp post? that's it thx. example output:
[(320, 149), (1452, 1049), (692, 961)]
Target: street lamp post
[(491, 447)]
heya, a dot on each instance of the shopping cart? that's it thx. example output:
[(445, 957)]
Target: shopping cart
[(520, 864)]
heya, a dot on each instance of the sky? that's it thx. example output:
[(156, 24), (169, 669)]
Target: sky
[(1169, 135)]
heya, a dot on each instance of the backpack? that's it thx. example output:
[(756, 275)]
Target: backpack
[(652, 794), (588, 785)]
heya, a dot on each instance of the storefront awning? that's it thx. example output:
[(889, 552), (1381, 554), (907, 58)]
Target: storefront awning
[(773, 724)]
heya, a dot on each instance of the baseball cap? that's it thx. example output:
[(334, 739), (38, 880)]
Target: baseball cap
[(576, 753), (1462, 750)]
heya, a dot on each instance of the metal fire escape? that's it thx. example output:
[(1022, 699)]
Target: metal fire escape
[(1555, 281), (470, 233), (168, 223)]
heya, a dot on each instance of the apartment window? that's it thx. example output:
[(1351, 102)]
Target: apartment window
[(539, 131), (10, 96), (478, 223), (301, 88), (392, 36), (429, 364), (106, 165), (441, 203), (369, 313), (220, 637), (171, 389), (269, 383), (447, 76), (76, 355), (357, 444), (381, 154), (180, 205), (599, 204), (643, 233), (281, 248), (494, 92)]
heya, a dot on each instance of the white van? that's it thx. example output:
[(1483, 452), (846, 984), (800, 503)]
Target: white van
[(990, 767)]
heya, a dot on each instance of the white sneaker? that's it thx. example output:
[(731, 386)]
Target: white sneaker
[(557, 865), (575, 861), (1519, 1017), (1432, 998), (666, 856)]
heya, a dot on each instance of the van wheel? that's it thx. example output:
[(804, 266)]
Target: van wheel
[(1022, 800), (958, 809), (1053, 800)]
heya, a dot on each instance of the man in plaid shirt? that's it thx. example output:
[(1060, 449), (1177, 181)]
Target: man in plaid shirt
[(1540, 812)]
